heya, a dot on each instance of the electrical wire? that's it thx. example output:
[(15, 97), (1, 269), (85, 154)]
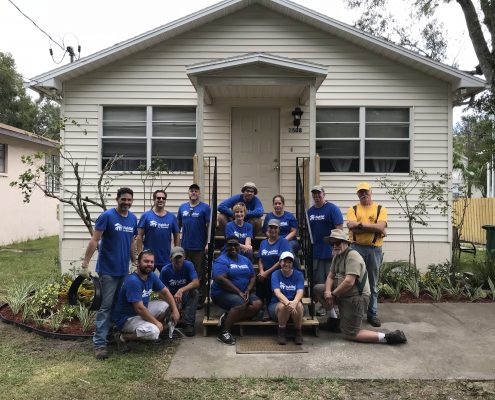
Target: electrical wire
[(11, 2)]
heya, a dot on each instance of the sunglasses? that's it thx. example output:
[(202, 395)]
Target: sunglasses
[(337, 243), (161, 198)]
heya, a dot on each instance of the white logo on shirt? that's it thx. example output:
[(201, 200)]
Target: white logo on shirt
[(146, 293), (313, 217), (265, 252), (155, 224), (283, 286), (177, 282), (122, 228), (237, 266)]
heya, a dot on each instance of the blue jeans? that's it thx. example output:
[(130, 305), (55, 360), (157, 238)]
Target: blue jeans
[(372, 257), (321, 268), (294, 245), (228, 300), (189, 305), (110, 286)]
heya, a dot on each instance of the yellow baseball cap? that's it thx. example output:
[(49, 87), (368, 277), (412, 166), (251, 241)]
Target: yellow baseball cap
[(363, 186)]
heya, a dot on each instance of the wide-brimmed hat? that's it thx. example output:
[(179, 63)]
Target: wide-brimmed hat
[(363, 186), (286, 254), (250, 185), (274, 222), (318, 188), (335, 236), (176, 251)]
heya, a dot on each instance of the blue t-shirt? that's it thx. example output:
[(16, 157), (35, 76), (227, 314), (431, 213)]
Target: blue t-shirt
[(158, 234), (133, 290), (321, 221), (287, 222), (174, 280), (241, 232), (270, 253), (115, 247), (239, 271), (287, 285), (193, 221), (254, 207)]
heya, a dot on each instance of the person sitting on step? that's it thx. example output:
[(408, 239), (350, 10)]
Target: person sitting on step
[(241, 229), (288, 290), (233, 282)]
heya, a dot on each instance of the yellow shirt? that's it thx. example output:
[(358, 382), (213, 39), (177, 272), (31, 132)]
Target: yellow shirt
[(366, 215)]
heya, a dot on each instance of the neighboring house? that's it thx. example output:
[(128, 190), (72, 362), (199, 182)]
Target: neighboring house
[(23, 221), (225, 81)]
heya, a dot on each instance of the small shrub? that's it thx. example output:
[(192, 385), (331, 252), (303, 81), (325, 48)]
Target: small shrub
[(474, 293), (86, 317), (18, 294), (434, 291), (55, 321)]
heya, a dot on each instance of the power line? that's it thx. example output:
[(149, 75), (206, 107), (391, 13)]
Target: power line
[(11, 2)]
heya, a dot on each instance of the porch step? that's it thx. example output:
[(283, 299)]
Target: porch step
[(213, 322)]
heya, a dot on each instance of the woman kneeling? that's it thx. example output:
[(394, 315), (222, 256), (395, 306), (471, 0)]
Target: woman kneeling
[(288, 289)]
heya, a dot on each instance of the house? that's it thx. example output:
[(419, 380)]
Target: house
[(225, 82), (24, 221)]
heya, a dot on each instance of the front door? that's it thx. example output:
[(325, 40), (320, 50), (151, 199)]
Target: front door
[(255, 151)]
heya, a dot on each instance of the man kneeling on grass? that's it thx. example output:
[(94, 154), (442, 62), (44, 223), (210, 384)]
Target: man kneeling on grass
[(135, 316), (351, 292)]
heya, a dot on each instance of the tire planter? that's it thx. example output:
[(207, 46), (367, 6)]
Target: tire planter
[(41, 332)]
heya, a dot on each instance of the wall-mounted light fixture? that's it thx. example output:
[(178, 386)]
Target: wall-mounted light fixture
[(297, 114)]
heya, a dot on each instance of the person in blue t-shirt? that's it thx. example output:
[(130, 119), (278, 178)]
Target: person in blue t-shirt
[(156, 228), (241, 229), (194, 219), (233, 282), (269, 254), (288, 225), (114, 234), (134, 315), (181, 279), (253, 205), (288, 290), (323, 217)]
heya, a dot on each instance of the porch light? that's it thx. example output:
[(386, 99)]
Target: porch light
[(297, 114)]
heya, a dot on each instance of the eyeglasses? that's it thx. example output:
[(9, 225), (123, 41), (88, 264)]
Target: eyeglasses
[(161, 198)]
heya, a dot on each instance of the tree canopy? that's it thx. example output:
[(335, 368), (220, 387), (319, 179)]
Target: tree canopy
[(18, 109)]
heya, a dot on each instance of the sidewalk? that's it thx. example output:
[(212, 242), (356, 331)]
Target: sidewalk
[(445, 341)]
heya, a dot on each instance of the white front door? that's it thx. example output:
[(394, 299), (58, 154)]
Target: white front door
[(256, 151)]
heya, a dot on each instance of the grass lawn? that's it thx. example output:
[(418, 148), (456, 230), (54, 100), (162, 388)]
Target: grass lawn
[(33, 367)]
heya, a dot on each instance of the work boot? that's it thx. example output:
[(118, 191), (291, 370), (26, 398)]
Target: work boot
[(281, 338), (189, 330), (373, 320), (333, 325), (298, 339), (101, 353), (396, 337)]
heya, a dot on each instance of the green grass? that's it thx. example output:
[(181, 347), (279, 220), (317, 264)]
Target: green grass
[(33, 367)]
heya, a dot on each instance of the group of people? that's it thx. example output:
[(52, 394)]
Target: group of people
[(345, 267)]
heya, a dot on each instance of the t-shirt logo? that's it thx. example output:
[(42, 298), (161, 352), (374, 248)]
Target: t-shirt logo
[(122, 228), (240, 235), (283, 286), (236, 266), (146, 293), (118, 227), (313, 217), (153, 224), (265, 252)]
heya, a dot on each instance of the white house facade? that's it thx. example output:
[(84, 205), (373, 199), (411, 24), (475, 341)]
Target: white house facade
[(225, 82)]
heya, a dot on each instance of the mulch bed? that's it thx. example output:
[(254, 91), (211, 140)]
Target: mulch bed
[(426, 298)]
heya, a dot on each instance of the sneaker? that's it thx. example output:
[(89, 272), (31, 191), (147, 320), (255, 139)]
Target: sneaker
[(226, 337), (281, 338), (373, 320), (396, 337), (121, 343), (298, 339), (189, 330), (321, 312), (221, 320), (333, 325), (101, 353)]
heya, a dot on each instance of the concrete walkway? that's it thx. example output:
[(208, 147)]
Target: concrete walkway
[(445, 341)]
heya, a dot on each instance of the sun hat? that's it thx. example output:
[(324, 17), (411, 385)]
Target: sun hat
[(335, 236), (251, 185)]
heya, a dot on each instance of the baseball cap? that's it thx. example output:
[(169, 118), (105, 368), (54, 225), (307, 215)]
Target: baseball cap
[(318, 188), (286, 254), (274, 222), (176, 251), (363, 186), (194, 186)]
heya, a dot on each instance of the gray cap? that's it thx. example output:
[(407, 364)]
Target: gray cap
[(318, 188), (176, 251), (274, 222)]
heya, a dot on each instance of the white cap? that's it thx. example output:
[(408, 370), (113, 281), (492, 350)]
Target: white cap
[(286, 254)]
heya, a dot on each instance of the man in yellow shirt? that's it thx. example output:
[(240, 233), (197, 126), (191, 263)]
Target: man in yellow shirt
[(367, 223)]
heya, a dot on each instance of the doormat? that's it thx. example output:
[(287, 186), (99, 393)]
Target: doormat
[(266, 345)]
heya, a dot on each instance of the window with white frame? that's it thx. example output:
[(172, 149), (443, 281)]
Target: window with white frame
[(53, 173), (363, 139), (3, 158), (145, 135)]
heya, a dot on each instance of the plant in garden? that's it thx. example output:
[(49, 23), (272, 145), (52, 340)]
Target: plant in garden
[(414, 196), (491, 292), (474, 293), (17, 294), (85, 316), (392, 292), (54, 321)]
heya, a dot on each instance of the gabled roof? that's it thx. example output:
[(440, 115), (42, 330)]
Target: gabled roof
[(11, 131), (53, 80)]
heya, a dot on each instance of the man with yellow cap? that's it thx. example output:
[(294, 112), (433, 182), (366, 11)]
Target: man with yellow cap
[(367, 223)]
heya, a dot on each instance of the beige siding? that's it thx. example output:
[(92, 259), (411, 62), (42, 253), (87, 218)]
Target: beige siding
[(156, 76)]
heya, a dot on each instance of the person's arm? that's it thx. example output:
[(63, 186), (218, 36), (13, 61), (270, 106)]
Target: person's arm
[(345, 285), (328, 289), (292, 234), (90, 250), (250, 286), (144, 313), (273, 268), (179, 217), (257, 211), (246, 247), (379, 227), (176, 239), (225, 206), (297, 298), (167, 296), (225, 283), (140, 240), (281, 297), (133, 254)]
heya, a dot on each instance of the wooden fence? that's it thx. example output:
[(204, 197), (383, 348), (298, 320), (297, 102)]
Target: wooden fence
[(478, 212)]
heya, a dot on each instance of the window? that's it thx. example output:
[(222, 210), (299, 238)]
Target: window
[(3, 158), (144, 135), (363, 139), (53, 173)]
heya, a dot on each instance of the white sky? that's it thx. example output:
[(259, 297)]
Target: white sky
[(99, 24)]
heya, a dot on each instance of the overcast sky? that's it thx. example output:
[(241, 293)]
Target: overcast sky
[(98, 24)]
